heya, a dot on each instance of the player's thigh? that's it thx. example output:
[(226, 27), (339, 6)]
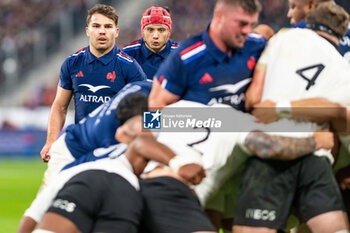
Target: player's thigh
[(93, 199), (169, 204), (267, 193), (334, 221), (318, 192), (246, 229)]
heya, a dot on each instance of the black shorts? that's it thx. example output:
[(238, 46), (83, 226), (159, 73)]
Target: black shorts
[(98, 201), (170, 206), (270, 188)]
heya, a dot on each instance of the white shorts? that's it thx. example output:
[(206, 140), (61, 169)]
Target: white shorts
[(59, 157)]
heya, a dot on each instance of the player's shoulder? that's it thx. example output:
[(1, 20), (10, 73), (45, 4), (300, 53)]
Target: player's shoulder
[(124, 57), (192, 49), (78, 54), (135, 45), (186, 103), (255, 40), (173, 44)]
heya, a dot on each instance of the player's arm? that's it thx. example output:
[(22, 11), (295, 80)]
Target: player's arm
[(160, 97), (265, 30), (144, 148), (255, 90), (56, 119), (313, 109), (286, 148)]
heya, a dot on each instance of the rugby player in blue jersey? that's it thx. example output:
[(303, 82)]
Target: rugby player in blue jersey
[(215, 66), (103, 196), (299, 9), (93, 74), (155, 44), (97, 130)]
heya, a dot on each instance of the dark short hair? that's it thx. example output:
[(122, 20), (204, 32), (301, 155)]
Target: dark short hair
[(330, 15), (132, 105), (105, 10), (250, 6)]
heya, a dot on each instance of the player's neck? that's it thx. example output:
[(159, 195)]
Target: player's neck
[(331, 38), (99, 52)]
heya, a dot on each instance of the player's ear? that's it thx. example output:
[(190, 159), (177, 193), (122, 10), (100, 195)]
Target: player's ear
[(87, 31), (117, 32)]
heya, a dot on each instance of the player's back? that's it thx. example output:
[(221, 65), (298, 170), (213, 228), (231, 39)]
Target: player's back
[(98, 129), (302, 64)]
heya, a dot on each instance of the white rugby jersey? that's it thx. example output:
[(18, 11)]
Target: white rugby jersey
[(216, 148), (301, 64), (42, 202)]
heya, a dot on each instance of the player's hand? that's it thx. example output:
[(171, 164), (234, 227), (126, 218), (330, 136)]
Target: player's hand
[(324, 140), (45, 152), (265, 111), (192, 173), (345, 183), (343, 177)]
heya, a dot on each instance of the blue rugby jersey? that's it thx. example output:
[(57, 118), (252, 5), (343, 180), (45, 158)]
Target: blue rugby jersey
[(149, 60), (198, 71), (344, 45), (95, 80), (99, 127)]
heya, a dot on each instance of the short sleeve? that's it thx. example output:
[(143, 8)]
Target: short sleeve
[(172, 75), (65, 77)]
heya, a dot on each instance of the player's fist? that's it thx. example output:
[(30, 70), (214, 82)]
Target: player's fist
[(192, 173), (324, 140), (265, 111), (45, 152)]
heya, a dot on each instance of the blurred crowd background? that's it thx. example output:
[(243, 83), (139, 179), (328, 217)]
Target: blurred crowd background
[(34, 31)]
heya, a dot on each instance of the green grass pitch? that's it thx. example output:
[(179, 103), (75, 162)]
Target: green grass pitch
[(19, 183)]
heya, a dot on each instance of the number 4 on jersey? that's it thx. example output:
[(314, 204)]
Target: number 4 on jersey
[(311, 78)]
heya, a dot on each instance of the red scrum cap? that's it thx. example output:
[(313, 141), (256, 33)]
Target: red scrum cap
[(155, 15)]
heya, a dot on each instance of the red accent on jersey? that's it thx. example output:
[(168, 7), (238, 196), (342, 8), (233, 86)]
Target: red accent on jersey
[(135, 42), (251, 63), (80, 74), (80, 50), (124, 55), (206, 79), (161, 78), (196, 45), (111, 76)]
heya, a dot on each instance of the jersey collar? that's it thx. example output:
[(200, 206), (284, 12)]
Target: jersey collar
[(212, 49), (147, 53), (105, 59)]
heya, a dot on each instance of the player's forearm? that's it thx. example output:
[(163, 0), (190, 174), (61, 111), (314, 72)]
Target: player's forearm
[(255, 90), (316, 109), (56, 122), (279, 147), (150, 149)]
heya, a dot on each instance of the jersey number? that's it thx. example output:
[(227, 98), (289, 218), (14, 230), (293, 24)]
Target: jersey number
[(310, 81), (201, 140)]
